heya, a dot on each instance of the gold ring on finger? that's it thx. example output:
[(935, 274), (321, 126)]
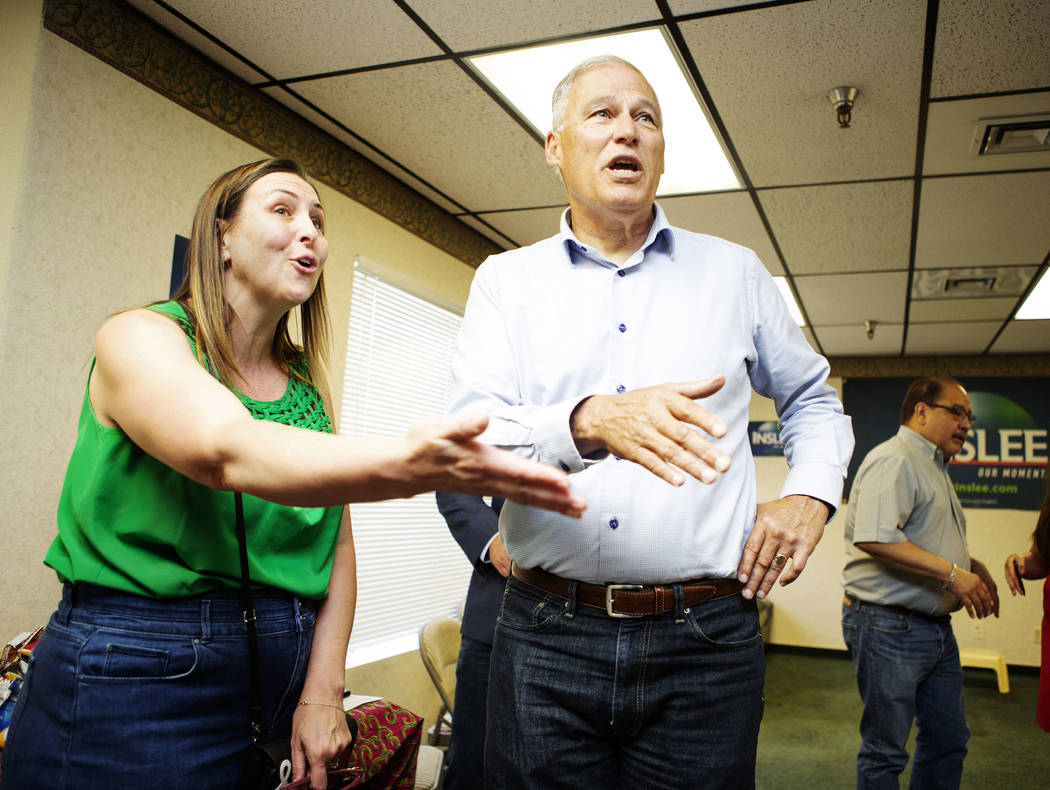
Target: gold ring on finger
[(779, 561)]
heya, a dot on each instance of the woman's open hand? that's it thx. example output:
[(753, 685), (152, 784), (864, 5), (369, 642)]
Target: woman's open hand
[(445, 455)]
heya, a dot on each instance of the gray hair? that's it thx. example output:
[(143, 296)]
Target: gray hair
[(560, 97)]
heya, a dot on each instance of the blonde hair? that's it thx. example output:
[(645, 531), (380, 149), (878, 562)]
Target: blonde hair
[(202, 292)]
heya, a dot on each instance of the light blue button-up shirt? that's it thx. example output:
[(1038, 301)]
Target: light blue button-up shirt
[(550, 324), (902, 492)]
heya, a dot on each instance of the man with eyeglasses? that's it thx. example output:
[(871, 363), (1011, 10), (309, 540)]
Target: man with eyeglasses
[(908, 567)]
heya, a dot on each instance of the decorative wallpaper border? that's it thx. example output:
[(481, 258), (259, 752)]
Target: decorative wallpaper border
[(989, 366), (124, 38)]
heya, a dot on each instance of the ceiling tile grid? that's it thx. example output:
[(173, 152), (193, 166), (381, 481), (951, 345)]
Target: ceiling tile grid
[(527, 226), (853, 298), (492, 23), (837, 203), (198, 41), (971, 337), (988, 46), (991, 220), (948, 310), (730, 215), (1024, 337), (769, 72), (368, 151), (288, 40), (851, 340), (436, 121), (842, 228)]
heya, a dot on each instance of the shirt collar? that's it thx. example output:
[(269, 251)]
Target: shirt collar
[(660, 231), (922, 444)]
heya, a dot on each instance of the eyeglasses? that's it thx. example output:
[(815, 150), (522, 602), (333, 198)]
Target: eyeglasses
[(958, 412)]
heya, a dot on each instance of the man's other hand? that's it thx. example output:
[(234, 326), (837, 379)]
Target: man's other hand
[(786, 531)]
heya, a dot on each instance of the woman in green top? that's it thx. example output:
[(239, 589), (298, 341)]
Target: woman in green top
[(141, 677)]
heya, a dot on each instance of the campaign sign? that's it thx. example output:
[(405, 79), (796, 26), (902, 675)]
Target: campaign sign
[(1003, 463), (765, 438)]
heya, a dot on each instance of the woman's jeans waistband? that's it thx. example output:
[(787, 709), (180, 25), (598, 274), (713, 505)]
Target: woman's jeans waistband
[(214, 613)]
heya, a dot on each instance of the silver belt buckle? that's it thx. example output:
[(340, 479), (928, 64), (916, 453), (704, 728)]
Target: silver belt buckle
[(609, 603)]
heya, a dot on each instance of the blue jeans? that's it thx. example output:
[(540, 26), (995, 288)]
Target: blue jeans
[(907, 668), (126, 691), (578, 699), (466, 749)]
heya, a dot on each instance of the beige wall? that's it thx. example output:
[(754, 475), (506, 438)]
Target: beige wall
[(99, 174), (807, 613)]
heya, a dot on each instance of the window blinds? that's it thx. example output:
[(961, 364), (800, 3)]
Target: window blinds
[(398, 363)]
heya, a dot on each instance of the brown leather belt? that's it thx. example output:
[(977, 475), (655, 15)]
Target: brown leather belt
[(630, 600)]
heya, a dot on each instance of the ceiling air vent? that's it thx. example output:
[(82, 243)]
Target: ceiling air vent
[(958, 286), (1019, 134)]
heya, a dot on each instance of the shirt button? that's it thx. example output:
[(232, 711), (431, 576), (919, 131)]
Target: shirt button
[(621, 388), (621, 273), (622, 327), (614, 523)]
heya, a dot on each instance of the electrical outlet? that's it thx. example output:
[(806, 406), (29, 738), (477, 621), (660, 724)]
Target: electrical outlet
[(978, 629)]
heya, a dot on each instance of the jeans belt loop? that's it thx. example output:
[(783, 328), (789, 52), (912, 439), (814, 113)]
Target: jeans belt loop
[(609, 589), (570, 602)]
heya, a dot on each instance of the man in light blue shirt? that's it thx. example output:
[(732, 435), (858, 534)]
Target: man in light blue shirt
[(628, 652), (908, 566)]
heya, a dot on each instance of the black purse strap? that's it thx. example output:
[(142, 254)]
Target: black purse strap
[(248, 611)]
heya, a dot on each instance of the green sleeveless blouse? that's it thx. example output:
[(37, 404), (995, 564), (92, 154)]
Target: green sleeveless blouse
[(131, 523)]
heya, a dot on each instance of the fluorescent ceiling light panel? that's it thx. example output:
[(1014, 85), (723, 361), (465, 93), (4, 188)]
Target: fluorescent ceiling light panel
[(1037, 305), (792, 305), (694, 160)]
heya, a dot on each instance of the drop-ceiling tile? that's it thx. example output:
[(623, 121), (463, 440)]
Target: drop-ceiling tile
[(489, 232), (201, 43), (679, 7), (361, 147), (769, 72), (853, 298), (987, 46), (842, 227), (527, 227), (952, 132), (435, 121), (288, 39), (729, 215), (933, 310), (971, 337), (850, 340), (1024, 337), (492, 23), (989, 220)]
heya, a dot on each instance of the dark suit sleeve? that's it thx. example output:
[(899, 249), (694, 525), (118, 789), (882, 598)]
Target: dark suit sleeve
[(471, 522)]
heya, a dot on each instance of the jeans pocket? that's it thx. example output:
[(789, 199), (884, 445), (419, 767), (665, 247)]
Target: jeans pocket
[(126, 656), (527, 609), (887, 622), (727, 623)]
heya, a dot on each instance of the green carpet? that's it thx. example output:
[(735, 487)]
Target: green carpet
[(809, 736)]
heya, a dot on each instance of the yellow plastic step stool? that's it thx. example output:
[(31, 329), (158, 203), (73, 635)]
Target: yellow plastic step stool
[(987, 659)]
